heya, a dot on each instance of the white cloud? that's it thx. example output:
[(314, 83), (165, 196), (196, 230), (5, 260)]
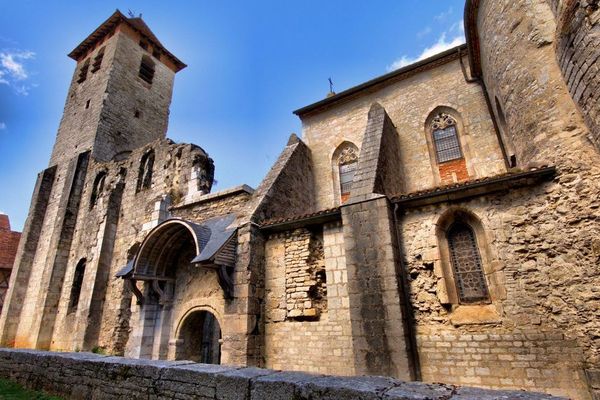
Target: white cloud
[(13, 70), (2, 126), (444, 15), (441, 45), (426, 31)]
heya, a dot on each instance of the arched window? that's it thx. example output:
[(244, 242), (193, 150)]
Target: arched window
[(445, 138), (347, 162), (98, 188), (466, 264), (145, 173), (76, 286)]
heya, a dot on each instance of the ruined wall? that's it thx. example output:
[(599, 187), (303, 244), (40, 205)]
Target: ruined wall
[(537, 264), (294, 340), (408, 103), (206, 206), (106, 234), (520, 68)]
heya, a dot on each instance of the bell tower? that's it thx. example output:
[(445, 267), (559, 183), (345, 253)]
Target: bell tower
[(120, 92)]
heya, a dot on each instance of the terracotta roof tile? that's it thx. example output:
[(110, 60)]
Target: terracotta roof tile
[(473, 182), (276, 221)]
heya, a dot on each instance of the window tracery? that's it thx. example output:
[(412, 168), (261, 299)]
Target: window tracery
[(445, 138), (347, 163), (466, 264)]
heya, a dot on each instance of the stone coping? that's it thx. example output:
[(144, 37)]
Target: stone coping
[(198, 197), (92, 376)]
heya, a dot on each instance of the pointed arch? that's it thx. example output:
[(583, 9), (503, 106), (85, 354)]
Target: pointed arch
[(145, 171), (465, 256), (344, 162), (448, 149)]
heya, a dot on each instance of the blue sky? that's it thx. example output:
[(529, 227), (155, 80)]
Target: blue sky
[(250, 64)]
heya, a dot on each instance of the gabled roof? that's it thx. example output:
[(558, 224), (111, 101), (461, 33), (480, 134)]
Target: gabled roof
[(383, 80), (136, 24)]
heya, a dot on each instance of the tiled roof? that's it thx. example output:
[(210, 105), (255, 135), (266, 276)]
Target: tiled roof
[(509, 176), (314, 215), (111, 23)]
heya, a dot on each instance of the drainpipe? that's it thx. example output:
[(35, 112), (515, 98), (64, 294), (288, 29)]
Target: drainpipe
[(489, 106), (410, 316)]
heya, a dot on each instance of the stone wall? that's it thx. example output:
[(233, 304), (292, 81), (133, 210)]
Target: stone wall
[(91, 376), (536, 263), (114, 110), (559, 229), (577, 49), (321, 345), (9, 242)]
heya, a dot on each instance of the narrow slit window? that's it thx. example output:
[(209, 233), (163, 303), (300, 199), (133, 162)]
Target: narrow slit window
[(97, 189), (466, 263), (445, 138), (147, 69), (98, 60), (77, 284), (145, 172), (83, 71)]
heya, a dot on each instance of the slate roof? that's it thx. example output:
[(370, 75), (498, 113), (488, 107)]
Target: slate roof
[(210, 236)]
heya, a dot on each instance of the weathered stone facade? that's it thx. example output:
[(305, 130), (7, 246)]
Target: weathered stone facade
[(438, 223), (9, 242)]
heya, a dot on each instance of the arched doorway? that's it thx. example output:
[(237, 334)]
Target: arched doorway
[(200, 338)]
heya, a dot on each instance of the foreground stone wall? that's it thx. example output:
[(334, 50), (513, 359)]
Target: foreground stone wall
[(91, 376)]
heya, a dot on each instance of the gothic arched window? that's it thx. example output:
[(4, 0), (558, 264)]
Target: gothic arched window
[(76, 286), (98, 188), (347, 162), (445, 138), (145, 173), (466, 264)]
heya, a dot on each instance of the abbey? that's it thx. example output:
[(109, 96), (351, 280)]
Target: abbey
[(438, 223)]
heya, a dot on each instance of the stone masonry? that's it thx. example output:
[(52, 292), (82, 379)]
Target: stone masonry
[(456, 240), (9, 242)]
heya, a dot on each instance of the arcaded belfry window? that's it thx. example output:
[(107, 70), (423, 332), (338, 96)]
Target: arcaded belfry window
[(147, 69), (466, 263), (347, 167), (145, 172), (83, 71), (98, 60), (445, 138), (76, 286)]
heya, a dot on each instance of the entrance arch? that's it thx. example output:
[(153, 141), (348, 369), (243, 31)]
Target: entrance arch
[(199, 338)]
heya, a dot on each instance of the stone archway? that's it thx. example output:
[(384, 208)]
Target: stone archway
[(199, 338)]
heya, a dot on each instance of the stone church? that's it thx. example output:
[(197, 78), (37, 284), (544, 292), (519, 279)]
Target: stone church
[(437, 223)]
